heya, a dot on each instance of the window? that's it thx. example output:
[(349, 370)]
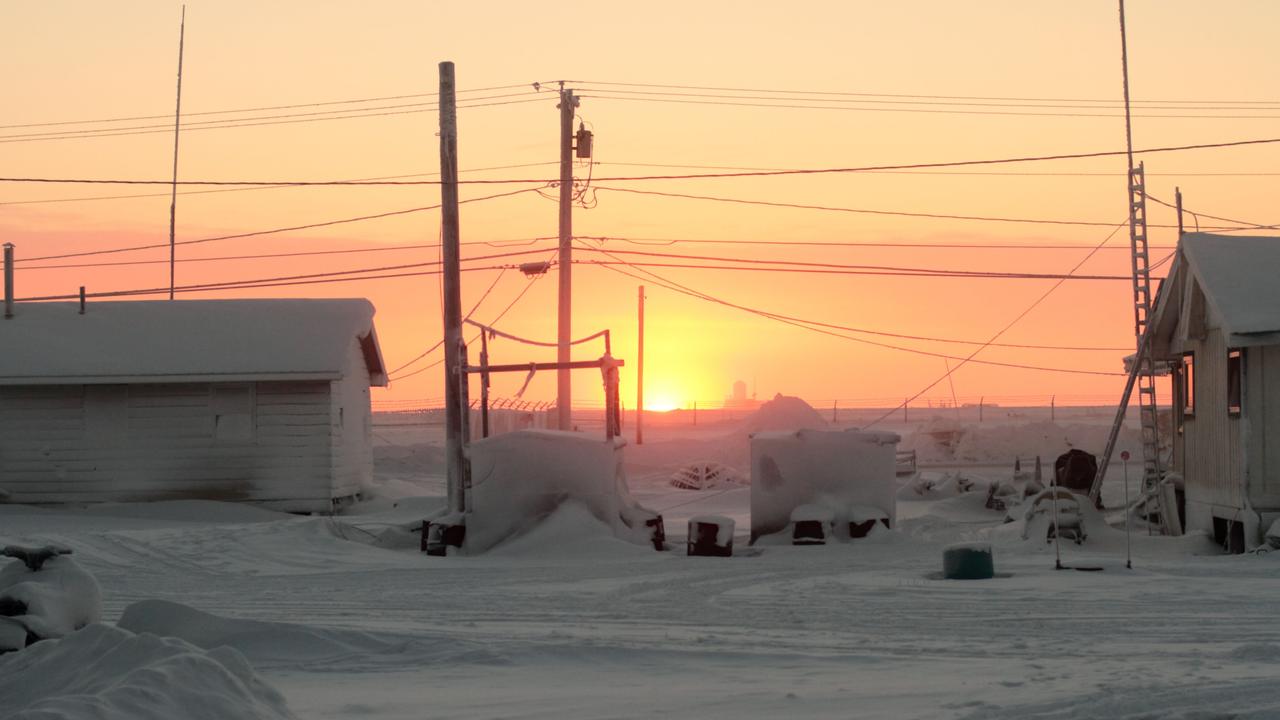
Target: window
[(1189, 384), (1235, 373), (232, 405)]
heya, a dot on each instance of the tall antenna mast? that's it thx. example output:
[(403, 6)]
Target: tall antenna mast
[(177, 118)]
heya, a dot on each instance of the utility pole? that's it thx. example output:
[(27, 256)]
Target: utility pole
[(455, 413), (177, 118), (568, 103), (640, 374)]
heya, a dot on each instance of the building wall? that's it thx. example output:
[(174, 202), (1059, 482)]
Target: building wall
[(262, 442), (1262, 417), (351, 426), (1212, 454)]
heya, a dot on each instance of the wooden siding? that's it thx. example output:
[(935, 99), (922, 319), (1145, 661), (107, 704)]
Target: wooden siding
[(1212, 454), (352, 426), (161, 441), (1262, 416)]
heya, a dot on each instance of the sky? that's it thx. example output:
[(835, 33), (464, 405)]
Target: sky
[(848, 84)]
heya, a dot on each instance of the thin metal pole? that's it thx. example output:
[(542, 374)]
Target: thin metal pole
[(451, 278), (640, 373), (173, 195), (1124, 66), (484, 384), (564, 392), (1057, 529), (8, 280), (1128, 512), (1177, 194)]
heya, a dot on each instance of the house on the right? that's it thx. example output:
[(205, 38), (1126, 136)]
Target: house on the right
[(1217, 322)]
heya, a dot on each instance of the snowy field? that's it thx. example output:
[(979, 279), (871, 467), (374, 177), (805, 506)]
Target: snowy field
[(343, 618)]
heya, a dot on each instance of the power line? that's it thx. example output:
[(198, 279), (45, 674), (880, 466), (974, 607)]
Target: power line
[(871, 273), (677, 287), (76, 135), (956, 173), (972, 356), (806, 266), (383, 98), (264, 187), (900, 95), (863, 211), (494, 321), (1251, 225), (274, 231), (839, 243), (474, 307), (687, 176), (928, 111)]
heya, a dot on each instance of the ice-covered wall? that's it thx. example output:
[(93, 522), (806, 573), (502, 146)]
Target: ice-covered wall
[(835, 468), (519, 478)]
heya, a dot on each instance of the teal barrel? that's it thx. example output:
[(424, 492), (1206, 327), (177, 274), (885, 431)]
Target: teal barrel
[(968, 561)]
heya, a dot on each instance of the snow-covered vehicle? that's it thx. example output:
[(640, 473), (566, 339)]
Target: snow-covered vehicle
[(44, 594)]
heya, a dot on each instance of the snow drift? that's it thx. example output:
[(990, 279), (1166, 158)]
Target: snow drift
[(106, 673)]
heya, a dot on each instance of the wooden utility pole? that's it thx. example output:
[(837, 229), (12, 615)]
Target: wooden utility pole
[(455, 413), (173, 195), (564, 395), (640, 374)]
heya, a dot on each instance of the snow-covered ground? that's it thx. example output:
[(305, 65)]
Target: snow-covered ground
[(344, 620)]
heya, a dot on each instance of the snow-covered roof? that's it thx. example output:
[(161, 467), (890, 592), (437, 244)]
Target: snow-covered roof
[(1236, 276), (186, 341)]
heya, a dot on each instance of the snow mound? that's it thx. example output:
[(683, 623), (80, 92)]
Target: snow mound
[(106, 673), (783, 412), (209, 511), (570, 530)]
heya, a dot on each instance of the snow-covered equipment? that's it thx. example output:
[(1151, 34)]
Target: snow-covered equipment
[(1064, 513), (905, 462), (1075, 470), (1001, 495), (812, 525), (968, 561), (1272, 538), (705, 476), (837, 468), (710, 535), (442, 533), (520, 478), (862, 518), (44, 594)]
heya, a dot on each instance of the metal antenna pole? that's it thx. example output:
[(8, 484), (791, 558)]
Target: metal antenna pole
[(640, 374), (455, 412), (564, 393), (1128, 512), (1057, 529), (177, 118)]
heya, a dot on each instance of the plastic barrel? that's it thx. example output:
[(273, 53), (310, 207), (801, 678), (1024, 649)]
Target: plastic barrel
[(968, 561)]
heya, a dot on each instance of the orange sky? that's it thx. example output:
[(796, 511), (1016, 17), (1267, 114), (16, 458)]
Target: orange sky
[(71, 61)]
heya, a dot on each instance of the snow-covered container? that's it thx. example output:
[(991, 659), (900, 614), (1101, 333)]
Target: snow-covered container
[(836, 468), (710, 535), (518, 479), (263, 401)]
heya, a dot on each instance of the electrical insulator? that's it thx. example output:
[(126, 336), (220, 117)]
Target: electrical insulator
[(584, 142)]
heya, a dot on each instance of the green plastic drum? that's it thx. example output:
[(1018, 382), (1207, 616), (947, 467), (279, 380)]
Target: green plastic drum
[(968, 561)]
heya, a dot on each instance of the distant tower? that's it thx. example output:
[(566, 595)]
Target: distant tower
[(740, 392)]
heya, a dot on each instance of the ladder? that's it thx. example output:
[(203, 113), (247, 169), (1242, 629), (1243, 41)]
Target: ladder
[(1143, 374), (1146, 376)]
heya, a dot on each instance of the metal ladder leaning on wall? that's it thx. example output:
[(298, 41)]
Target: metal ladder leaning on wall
[(1143, 372)]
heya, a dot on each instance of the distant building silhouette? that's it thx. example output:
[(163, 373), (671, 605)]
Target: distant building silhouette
[(739, 397)]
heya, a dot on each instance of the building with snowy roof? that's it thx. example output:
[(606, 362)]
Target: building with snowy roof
[(1217, 321), (264, 401)]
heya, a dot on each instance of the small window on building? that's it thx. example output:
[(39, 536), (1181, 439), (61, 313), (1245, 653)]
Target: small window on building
[(232, 405), (1189, 384), (1235, 373)]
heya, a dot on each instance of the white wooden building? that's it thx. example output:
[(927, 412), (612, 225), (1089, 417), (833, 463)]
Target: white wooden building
[(1217, 320), (265, 401)]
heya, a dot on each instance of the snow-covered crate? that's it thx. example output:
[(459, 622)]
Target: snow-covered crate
[(812, 525), (520, 478), (838, 468), (711, 535), (862, 518)]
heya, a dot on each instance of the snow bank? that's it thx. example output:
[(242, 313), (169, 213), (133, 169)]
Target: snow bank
[(783, 412), (944, 440), (571, 530), (835, 468), (106, 673), (519, 479)]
